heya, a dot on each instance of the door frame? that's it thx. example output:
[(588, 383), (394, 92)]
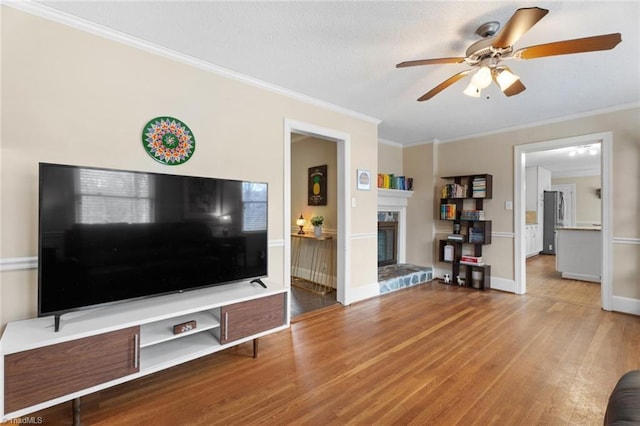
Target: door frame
[(343, 248), (606, 169)]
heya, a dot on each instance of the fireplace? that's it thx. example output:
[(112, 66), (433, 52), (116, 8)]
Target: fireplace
[(392, 225), (387, 243)]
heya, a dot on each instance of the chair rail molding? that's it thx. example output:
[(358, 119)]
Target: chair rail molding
[(15, 263)]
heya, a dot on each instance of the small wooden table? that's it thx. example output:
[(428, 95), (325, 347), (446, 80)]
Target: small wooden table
[(312, 262)]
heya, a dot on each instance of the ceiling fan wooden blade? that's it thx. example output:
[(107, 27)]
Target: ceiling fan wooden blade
[(430, 62), (521, 22), (566, 47), (440, 87)]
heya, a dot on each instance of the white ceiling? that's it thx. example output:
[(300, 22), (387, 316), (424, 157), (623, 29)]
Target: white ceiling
[(345, 53), (561, 163)]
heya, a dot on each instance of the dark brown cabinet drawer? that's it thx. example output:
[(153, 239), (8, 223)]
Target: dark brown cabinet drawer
[(254, 316), (41, 374)]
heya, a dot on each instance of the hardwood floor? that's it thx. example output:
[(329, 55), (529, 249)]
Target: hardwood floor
[(304, 301), (544, 281), (425, 355)]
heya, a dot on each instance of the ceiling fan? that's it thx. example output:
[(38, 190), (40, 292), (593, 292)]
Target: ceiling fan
[(486, 56)]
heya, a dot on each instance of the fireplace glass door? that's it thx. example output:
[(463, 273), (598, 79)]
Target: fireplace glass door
[(387, 243)]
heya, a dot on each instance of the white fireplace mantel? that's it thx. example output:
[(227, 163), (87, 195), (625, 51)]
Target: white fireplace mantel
[(393, 197), (395, 200)]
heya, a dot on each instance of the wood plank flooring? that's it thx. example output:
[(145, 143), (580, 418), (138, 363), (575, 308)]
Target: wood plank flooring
[(303, 300), (544, 281), (426, 355)]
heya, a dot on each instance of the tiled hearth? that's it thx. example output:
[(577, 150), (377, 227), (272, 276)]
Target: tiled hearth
[(402, 275)]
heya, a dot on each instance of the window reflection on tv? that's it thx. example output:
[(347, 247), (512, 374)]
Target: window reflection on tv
[(111, 235)]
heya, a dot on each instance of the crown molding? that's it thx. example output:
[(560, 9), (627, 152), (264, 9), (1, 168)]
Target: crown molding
[(51, 14), (547, 122), (390, 143)]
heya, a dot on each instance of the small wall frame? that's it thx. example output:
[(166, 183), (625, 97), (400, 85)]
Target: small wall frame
[(363, 177)]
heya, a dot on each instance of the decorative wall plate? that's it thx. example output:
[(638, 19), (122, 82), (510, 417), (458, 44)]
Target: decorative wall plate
[(168, 140)]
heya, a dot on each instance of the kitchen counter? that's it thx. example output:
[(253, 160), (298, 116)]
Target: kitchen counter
[(578, 228), (579, 253)]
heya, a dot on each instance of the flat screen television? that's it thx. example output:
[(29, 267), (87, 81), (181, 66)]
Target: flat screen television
[(107, 236)]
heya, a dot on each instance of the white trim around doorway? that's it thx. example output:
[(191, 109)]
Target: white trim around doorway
[(343, 230), (606, 139)]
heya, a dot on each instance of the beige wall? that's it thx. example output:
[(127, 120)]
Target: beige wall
[(494, 154), (390, 159), (588, 204), (310, 152), (418, 163), (73, 97)]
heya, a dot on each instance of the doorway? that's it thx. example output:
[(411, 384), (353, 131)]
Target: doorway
[(313, 254), (605, 140), (342, 226)]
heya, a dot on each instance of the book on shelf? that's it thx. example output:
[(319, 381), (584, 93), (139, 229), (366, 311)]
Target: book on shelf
[(476, 260), (476, 235), (472, 263), (391, 181), (455, 237), (472, 215), (387, 181), (479, 187), (447, 211), (454, 190)]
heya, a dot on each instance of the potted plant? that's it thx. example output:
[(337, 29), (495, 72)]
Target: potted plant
[(317, 222)]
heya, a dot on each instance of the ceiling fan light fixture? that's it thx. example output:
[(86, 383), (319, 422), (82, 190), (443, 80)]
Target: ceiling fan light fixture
[(472, 91), (482, 78), (505, 78)]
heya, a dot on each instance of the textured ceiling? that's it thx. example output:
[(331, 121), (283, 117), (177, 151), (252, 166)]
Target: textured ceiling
[(345, 53)]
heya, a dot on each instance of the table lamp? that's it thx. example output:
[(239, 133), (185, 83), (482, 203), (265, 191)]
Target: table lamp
[(300, 223)]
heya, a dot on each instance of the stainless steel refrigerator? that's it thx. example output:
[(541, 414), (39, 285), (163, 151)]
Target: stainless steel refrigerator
[(553, 218)]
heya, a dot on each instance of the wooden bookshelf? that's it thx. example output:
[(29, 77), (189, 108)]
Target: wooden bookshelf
[(462, 204)]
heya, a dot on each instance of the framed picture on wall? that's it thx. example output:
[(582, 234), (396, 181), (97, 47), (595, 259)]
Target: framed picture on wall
[(317, 191), (363, 178)]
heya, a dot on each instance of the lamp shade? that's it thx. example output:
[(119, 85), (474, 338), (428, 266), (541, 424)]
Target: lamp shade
[(505, 78), (482, 78), (472, 91), (300, 221)]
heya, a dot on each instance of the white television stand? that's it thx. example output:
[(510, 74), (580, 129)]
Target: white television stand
[(99, 348)]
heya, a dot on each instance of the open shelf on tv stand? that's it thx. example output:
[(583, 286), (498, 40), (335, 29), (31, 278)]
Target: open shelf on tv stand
[(45, 368)]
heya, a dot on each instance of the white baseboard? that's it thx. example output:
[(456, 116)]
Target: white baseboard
[(581, 277), (356, 294), (503, 284), (626, 305)]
